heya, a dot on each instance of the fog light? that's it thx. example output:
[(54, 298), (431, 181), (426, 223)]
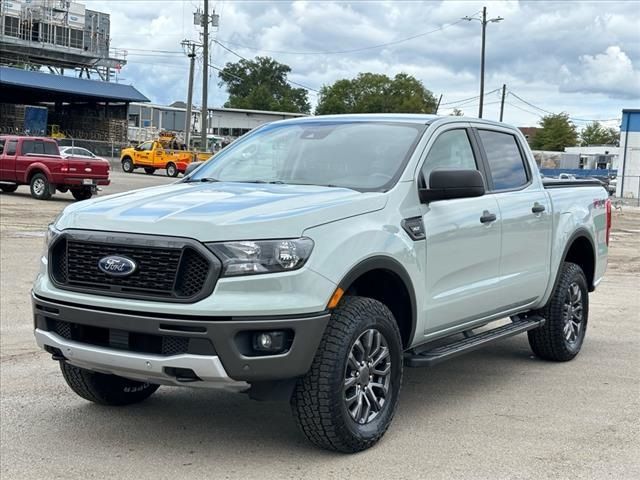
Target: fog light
[(271, 342)]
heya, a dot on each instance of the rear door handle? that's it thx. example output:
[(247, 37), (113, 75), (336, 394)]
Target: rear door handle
[(488, 217), (537, 208)]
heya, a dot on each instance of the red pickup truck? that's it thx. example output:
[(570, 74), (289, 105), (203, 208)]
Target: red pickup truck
[(36, 161)]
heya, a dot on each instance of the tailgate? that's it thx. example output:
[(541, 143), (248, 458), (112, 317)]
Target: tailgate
[(88, 168)]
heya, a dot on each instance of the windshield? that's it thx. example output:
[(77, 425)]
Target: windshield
[(359, 155)]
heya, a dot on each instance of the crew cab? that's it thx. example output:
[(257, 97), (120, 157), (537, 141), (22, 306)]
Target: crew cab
[(154, 155), (36, 161), (314, 259)]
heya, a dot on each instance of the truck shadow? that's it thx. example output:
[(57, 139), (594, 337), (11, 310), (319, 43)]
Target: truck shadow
[(192, 422), (56, 198)]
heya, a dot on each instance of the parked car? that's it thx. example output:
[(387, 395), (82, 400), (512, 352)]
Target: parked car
[(316, 257), (78, 152), (36, 161)]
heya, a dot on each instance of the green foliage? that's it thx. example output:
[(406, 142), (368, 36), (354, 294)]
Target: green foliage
[(457, 113), (261, 84), (376, 93), (596, 134), (556, 133)]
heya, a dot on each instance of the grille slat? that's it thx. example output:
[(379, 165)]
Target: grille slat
[(171, 273)]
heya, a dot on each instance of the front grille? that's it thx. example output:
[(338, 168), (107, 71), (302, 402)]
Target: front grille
[(171, 272), (131, 341)]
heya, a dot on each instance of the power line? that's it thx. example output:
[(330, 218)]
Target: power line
[(353, 50), (470, 98), (575, 119)]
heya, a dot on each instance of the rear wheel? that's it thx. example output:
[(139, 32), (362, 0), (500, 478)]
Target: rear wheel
[(149, 170), (8, 188), (560, 338), (172, 170), (348, 398), (40, 187), (127, 165), (84, 194), (105, 389)]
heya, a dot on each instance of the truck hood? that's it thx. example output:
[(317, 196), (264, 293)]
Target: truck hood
[(220, 211)]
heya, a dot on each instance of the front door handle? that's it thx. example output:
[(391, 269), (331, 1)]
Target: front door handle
[(537, 208), (488, 217)]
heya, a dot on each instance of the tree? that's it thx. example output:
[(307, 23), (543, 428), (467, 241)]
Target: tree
[(596, 134), (556, 132), (261, 84), (457, 113), (376, 93)]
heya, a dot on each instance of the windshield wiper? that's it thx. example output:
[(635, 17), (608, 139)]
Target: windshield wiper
[(270, 182)]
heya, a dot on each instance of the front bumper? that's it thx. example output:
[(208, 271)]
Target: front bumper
[(227, 335)]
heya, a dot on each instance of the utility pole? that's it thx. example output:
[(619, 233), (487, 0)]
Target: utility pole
[(504, 91), (205, 76), (438, 105), (191, 53), (484, 23)]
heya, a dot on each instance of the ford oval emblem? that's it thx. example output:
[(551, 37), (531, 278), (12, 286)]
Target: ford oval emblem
[(117, 266)]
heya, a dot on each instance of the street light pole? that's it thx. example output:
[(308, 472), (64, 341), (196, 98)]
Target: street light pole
[(483, 21)]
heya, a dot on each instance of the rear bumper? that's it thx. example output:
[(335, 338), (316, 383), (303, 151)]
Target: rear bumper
[(228, 335), (78, 181)]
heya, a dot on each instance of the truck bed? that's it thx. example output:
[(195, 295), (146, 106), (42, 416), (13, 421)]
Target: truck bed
[(577, 182)]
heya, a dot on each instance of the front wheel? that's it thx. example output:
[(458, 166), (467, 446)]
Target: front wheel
[(105, 389), (348, 398), (172, 170), (561, 337), (8, 188), (127, 165)]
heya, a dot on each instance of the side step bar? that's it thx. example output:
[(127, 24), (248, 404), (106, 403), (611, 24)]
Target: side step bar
[(436, 355)]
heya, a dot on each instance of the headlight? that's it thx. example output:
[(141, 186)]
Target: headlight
[(263, 256), (49, 236)]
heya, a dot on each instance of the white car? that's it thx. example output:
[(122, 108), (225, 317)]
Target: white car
[(314, 258), (78, 152)]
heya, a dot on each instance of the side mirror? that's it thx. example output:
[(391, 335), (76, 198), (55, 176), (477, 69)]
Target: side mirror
[(449, 184), (192, 167)]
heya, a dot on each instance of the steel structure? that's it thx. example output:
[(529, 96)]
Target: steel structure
[(57, 34)]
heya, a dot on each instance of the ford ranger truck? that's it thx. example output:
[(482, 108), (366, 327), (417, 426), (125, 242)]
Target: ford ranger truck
[(36, 162), (317, 257)]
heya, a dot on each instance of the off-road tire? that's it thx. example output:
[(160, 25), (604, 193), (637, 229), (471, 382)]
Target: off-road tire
[(317, 401), (84, 194), (549, 342), (40, 187), (172, 170), (127, 165), (105, 389), (8, 188), (149, 170)]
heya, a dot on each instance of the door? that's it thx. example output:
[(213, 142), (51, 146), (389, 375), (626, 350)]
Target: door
[(8, 160), (463, 241), (526, 218), (144, 154)]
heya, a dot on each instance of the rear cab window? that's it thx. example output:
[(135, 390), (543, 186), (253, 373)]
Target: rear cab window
[(505, 159), (39, 147)]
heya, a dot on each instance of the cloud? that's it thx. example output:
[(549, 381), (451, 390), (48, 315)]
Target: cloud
[(609, 73), (556, 55)]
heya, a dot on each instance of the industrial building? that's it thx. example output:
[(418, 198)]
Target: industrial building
[(147, 120), (59, 35), (628, 185)]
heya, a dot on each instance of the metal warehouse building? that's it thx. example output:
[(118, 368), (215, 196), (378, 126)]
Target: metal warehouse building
[(629, 158), (147, 120)]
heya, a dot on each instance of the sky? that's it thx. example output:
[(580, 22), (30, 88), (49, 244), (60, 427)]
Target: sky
[(578, 57)]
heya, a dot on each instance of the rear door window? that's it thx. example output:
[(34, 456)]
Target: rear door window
[(50, 148), (506, 164)]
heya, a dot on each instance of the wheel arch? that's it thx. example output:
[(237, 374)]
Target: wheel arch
[(580, 249), (366, 279), (34, 169)]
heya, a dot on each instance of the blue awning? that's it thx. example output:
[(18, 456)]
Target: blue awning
[(19, 85)]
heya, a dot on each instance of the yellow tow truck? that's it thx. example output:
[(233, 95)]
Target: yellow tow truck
[(163, 153)]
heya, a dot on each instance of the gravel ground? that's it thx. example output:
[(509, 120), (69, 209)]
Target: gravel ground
[(498, 413)]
